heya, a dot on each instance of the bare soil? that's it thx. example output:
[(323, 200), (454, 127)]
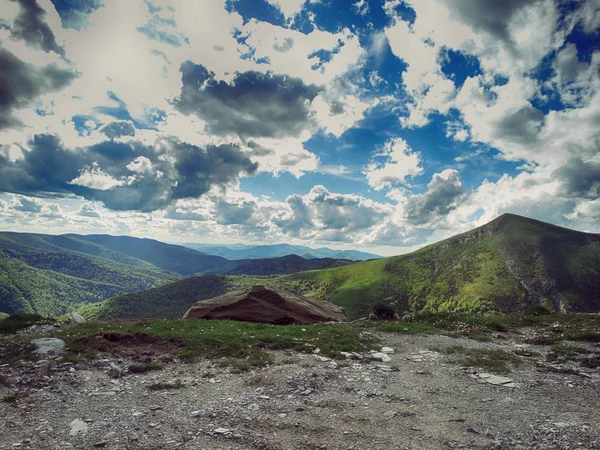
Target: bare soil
[(422, 399)]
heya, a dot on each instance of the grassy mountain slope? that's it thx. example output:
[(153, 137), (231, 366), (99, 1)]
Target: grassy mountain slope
[(168, 301), (52, 274), (284, 265), (507, 265)]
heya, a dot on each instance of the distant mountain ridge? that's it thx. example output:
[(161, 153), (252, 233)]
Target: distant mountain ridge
[(51, 274), (242, 251), (507, 265)]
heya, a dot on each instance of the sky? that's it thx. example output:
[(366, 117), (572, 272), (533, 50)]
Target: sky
[(380, 125)]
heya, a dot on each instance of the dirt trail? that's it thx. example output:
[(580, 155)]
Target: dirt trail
[(420, 399)]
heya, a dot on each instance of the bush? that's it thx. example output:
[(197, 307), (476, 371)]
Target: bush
[(541, 309), (382, 311)]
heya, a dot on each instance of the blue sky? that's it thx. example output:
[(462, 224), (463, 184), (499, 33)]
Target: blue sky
[(377, 125)]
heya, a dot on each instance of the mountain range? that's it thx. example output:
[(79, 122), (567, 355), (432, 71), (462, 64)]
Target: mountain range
[(242, 251), (51, 274), (507, 265)]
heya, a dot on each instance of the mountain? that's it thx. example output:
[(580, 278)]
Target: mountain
[(284, 265), (508, 265), (175, 258), (50, 275), (170, 301), (241, 251)]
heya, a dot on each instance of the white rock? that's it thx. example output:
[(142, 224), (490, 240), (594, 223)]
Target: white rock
[(253, 407), (387, 350), (323, 358), (195, 413), (78, 426), (381, 357), (496, 380), (47, 345), (221, 430)]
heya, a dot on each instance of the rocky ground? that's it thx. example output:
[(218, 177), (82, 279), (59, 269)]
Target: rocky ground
[(413, 396)]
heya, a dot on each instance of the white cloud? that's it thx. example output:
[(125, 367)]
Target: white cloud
[(94, 178), (399, 163)]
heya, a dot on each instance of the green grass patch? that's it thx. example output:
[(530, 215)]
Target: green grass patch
[(403, 327), (492, 360), (15, 322), (215, 338), (570, 350)]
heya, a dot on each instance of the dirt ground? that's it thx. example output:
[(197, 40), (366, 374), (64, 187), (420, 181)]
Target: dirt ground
[(421, 399)]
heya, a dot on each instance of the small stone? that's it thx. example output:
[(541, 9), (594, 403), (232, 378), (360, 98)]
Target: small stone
[(323, 358), (253, 407), (78, 426), (137, 414), (387, 350), (221, 430), (472, 430), (155, 408), (282, 415), (100, 444), (381, 357), (195, 413), (307, 391), (389, 415)]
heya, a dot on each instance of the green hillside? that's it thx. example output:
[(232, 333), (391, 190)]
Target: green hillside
[(52, 275), (507, 265)]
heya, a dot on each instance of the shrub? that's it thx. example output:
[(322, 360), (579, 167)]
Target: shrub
[(381, 311)]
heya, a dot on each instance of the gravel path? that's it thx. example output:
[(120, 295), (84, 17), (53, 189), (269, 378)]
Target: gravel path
[(420, 399)]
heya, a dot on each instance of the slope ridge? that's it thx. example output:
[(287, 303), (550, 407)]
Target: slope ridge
[(507, 265)]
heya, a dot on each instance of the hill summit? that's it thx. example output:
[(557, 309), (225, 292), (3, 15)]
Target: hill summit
[(507, 265)]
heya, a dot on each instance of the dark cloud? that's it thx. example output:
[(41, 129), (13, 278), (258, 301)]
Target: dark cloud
[(336, 107), (579, 178), (444, 192), (252, 105), (176, 170), (490, 16), (118, 129), (522, 126), (20, 83), (29, 26), (285, 46), (233, 213)]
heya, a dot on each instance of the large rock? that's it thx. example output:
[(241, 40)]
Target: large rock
[(263, 304)]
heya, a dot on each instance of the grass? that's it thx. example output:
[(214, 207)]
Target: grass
[(492, 360), (15, 322), (402, 327), (214, 338)]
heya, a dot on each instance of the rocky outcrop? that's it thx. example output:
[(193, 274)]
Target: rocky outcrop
[(263, 304)]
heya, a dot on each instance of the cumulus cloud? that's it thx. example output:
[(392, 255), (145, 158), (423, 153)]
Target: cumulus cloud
[(252, 105), (174, 170), (328, 216), (393, 164), (444, 192)]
